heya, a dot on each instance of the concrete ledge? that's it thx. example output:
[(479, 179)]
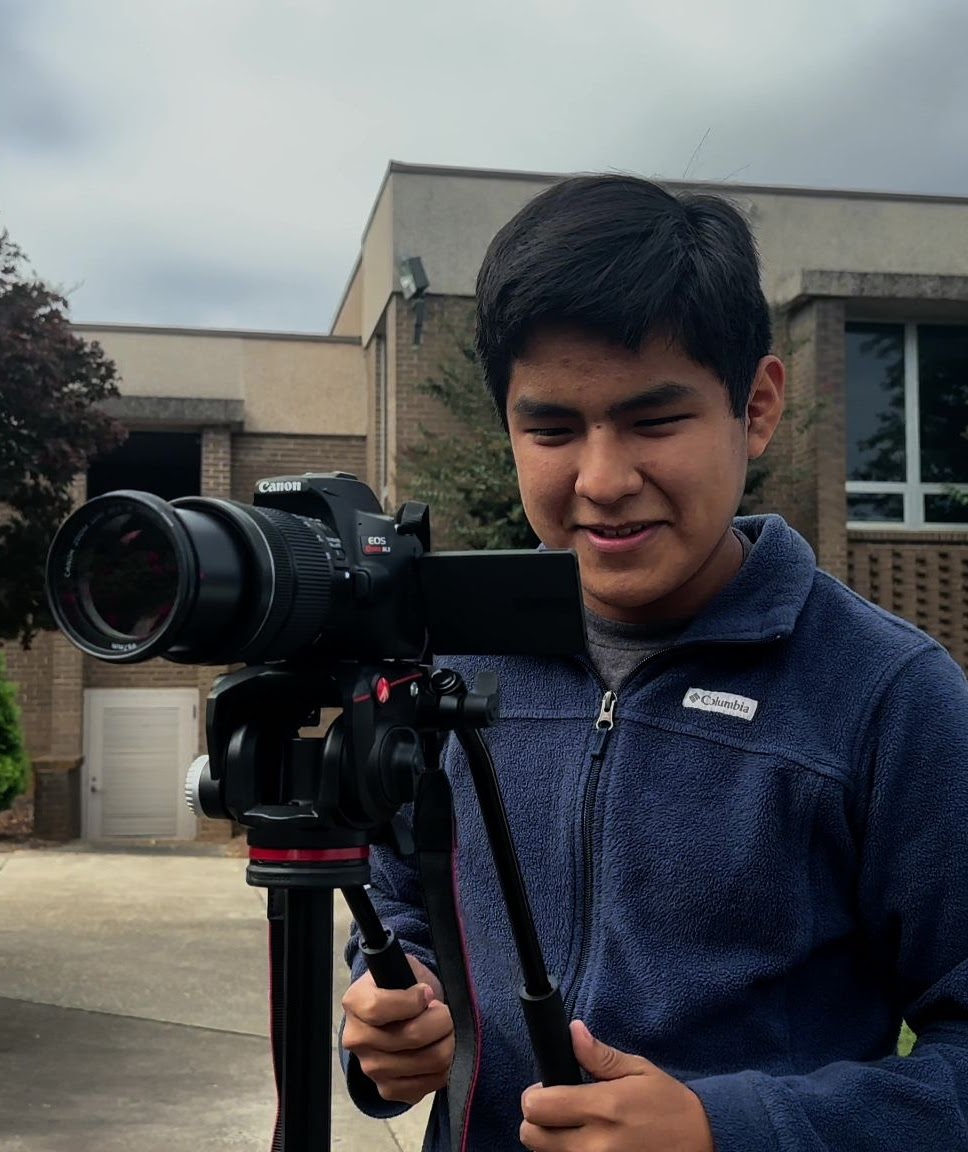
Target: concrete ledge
[(198, 413), (810, 283)]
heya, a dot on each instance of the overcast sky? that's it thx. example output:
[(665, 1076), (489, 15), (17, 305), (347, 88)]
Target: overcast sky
[(213, 162)]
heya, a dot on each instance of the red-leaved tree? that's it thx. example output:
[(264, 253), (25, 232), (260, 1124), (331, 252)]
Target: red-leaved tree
[(51, 383)]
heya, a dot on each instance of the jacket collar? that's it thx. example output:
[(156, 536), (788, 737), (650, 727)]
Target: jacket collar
[(765, 598)]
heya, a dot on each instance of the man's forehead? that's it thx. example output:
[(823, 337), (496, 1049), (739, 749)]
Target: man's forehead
[(530, 402)]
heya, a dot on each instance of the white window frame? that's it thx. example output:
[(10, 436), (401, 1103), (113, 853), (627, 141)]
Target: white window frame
[(911, 489)]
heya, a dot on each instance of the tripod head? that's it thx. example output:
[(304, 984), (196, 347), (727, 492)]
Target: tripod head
[(346, 789)]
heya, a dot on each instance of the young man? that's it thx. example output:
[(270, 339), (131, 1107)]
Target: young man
[(743, 818)]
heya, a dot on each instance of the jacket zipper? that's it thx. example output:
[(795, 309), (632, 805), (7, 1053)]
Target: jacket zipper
[(603, 730)]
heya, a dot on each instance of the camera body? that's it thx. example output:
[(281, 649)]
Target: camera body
[(372, 557)]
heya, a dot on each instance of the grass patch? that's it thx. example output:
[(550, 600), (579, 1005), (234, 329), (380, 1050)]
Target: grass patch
[(905, 1042)]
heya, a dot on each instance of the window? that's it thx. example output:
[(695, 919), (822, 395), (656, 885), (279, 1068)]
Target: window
[(907, 422), (169, 464)]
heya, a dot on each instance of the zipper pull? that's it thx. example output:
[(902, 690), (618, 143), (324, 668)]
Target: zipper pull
[(606, 716), (604, 724)]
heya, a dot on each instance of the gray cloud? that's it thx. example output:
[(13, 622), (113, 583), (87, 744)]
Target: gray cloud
[(157, 289), (890, 115), (215, 163), (36, 111)]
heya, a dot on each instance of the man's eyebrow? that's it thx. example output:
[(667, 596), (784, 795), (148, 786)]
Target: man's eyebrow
[(537, 410), (668, 392)]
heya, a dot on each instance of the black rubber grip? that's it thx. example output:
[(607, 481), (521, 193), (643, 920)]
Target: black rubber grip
[(550, 1037), (388, 965)]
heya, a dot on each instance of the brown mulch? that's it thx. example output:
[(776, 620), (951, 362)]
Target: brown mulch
[(18, 819), (17, 831), (17, 825)]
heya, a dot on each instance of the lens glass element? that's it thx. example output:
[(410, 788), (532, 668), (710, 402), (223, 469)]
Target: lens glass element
[(127, 576)]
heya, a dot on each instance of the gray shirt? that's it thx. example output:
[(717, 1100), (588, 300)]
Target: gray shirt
[(616, 648)]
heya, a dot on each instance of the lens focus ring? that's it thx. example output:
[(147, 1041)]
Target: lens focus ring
[(304, 580)]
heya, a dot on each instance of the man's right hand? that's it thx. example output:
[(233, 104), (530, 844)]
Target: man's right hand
[(402, 1037)]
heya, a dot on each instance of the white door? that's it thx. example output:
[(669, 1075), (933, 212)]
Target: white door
[(138, 744)]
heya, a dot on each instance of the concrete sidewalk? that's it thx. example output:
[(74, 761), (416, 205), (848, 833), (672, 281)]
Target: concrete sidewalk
[(134, 1009)]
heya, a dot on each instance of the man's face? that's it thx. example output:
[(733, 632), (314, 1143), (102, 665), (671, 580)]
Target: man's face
[(636, 461)]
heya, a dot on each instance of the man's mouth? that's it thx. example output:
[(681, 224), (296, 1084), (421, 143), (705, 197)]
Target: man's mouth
[(616, 533)]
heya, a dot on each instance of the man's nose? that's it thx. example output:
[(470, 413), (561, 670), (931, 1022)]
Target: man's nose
[(606, 472)]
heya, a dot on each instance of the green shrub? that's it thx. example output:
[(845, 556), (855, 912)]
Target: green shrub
[(14, 765)]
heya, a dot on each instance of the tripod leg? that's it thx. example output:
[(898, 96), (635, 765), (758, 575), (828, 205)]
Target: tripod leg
[(308, 1020)]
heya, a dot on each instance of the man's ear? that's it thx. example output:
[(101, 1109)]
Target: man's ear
[(765, 406)]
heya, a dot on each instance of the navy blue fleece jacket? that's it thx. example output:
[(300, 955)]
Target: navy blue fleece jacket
[(751, 895)]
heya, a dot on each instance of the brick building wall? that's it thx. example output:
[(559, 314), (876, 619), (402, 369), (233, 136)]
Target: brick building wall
[(448, 324), (375, 363), (923, 580), (216, 470), (807, 459), (258, 456), (49, 682), (31, 672)]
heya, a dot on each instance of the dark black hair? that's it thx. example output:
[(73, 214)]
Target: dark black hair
[(624, 258)]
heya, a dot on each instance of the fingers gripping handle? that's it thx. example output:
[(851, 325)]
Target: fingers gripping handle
[(381, 949), (388, 964)]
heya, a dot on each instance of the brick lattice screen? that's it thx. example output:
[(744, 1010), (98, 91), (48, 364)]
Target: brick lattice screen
[(926, 583)]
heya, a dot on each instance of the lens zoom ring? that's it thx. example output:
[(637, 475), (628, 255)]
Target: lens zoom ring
[(282, 591), (304, 585)]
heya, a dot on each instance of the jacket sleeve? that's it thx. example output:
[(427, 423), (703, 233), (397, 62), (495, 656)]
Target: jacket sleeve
[(913, 903), (396, 895)]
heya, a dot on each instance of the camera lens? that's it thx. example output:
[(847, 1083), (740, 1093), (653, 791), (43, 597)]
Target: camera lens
[(128, 576), (199, 581)]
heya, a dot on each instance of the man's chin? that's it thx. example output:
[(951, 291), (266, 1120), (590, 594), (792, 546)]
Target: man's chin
[(628, 605)]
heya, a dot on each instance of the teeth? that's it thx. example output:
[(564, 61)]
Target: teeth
[(619, 532)]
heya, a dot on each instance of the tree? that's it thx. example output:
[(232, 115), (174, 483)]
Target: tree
[(468, 480), (959, 496), (13, 754), (51, 382)]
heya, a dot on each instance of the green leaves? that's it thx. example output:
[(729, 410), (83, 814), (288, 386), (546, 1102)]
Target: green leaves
[(14, 765), (468, 479)]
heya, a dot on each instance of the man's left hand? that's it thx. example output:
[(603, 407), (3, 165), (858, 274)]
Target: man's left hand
[(633, 1107)]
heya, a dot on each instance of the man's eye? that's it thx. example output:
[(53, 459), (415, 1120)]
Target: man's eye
[(660, 421), (548, 433)]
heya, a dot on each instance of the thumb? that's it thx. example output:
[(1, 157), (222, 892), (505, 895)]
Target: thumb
[(602, 1062), (425, 976)]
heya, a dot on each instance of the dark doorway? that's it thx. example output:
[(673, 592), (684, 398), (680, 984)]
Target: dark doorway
[(169, 464)]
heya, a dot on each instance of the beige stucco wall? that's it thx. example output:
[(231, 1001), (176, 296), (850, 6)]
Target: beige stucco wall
[(378, 262), (448, 218), (349, 313), (798, 232), (448, 221), (304, 385)]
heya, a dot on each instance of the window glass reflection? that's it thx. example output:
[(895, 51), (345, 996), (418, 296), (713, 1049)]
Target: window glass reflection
[(875, 402), (875, 506), (946, 509), (943, 403)]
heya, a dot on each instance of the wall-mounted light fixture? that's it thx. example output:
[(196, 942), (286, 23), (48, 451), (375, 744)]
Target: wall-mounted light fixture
[(414, 284)]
